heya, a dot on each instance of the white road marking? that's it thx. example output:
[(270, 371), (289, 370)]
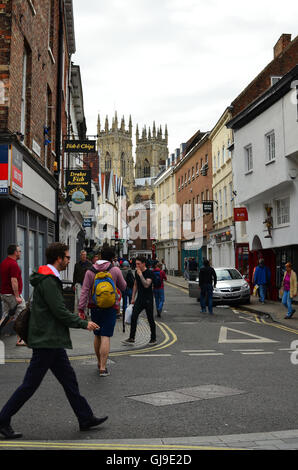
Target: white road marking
[(150, 355), (199, 351), (206, 354), (255, 353), (252, 338), (247, 350)]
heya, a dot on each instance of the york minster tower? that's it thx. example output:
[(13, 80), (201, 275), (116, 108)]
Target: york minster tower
[(115, 145), (116, 154)]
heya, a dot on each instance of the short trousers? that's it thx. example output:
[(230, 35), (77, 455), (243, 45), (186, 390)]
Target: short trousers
[(106, 319)]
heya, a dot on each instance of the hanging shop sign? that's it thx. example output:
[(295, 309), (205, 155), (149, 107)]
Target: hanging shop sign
[(240, 214), (224, 237), (208, 207), (78, 186), (87, 223), (79, 146)]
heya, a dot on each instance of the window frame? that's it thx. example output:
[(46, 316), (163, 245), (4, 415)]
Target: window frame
[(270, 146), (248, 159), (288, 222)]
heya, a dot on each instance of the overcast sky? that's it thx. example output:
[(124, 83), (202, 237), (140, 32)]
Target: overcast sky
[(179, 62)]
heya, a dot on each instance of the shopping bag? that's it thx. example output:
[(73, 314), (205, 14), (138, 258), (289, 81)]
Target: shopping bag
[(128, 314), (255, 290)]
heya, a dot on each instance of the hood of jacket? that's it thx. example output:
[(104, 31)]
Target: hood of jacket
[(102, 265), (43, 271)]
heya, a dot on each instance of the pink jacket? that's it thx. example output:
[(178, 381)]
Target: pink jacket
[(100, 265)]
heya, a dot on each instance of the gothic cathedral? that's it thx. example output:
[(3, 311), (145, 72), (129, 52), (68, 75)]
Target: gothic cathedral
[(116, 154)]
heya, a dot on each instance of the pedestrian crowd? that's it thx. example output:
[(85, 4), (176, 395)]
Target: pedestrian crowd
[(98, 286)]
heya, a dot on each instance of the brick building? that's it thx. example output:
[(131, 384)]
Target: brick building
[(36, 43), (285, 57), (194, 186)]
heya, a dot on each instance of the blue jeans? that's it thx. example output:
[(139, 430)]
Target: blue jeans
[(206, 291), (287, 301), (159, 295), (126, 295), (43, 360), (262, 290)]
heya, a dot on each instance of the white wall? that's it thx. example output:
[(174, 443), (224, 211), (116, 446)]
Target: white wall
[(37, 189), (266, 183)]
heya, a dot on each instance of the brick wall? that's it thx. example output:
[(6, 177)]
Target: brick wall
[(23, 28), (286, 57), (198, 184)]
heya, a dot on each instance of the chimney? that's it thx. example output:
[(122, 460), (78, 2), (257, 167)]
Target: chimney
[(281, 44)]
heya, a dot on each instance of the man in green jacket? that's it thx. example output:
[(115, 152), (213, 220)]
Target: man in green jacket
[(49, 336)]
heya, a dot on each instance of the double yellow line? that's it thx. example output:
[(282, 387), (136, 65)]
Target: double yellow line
[(110, 446), (169, 339), (275, 325)]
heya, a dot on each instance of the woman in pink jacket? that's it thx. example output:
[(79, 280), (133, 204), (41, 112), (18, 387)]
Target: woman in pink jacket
[(105, 317)]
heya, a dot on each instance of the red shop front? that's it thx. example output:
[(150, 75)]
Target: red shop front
[(246, 262)]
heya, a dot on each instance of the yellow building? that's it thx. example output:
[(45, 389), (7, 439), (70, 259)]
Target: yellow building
[(221, 238), (166, 219)]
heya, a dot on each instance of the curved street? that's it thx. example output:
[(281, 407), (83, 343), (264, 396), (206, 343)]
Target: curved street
[(211, 381)]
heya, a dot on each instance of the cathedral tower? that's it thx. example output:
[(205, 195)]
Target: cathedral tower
[(151, 151), (115, 145)]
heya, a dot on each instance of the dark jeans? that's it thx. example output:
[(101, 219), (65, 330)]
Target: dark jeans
[(206, 292), (127, 295), (146, 305), (42, 360)]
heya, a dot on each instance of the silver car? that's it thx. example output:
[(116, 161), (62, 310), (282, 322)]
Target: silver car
[(231, 287)]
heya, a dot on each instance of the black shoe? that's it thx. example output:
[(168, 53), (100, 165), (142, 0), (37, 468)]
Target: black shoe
[(159, 314), (128, 341), (92, 423), (152, 341), (9, 433)]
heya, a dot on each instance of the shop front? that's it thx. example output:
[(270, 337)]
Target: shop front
[(27, 209), (221, 245)]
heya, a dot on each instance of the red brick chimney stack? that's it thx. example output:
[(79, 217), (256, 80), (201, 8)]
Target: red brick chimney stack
[(281, 44)]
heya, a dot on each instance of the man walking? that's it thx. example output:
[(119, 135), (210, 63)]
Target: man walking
[(142, 286), (11, 287), (49, 336), (207, 280), (262, 278), (78, 276)]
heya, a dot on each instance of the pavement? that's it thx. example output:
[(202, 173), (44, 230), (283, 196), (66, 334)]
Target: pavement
[(82, 341), (83, 347)]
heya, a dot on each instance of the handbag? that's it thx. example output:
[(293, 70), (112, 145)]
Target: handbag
[(21, 324)]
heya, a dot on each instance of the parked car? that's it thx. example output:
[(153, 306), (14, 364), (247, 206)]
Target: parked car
[(231, 287)]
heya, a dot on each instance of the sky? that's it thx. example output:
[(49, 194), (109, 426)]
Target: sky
[(175, 62)]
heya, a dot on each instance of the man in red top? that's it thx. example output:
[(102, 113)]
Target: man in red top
[(11, 286), (158, 287)]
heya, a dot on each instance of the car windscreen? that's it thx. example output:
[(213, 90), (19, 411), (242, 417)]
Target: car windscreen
[(227, 274)]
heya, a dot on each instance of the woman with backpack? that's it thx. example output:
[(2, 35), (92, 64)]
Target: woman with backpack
[(99, 291), (158, 287)]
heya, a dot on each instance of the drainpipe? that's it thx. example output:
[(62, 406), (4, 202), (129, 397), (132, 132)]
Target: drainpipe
[(59, 111)]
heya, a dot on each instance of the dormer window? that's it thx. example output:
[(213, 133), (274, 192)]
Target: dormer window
[(275, 79)]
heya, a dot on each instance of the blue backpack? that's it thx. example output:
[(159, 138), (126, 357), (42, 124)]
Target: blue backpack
[(156, 280)]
